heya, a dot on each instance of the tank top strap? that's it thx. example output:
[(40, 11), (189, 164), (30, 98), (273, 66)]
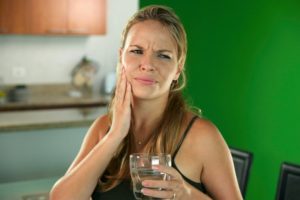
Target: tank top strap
[(184, 135)]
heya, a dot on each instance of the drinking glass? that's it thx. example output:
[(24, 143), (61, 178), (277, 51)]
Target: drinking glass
[(141, 169)]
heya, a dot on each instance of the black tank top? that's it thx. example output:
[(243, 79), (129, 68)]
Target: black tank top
[(124, 189), (197, 185)]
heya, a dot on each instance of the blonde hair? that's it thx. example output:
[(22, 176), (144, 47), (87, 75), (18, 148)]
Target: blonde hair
[(166, 136)]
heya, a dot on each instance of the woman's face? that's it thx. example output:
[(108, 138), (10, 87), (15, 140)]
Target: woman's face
[(150, 59)]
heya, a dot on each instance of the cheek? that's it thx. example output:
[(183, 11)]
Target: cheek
[(129, 67), (129, 62), (169, 71)]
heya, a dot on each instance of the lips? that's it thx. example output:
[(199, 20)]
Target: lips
[(145, 80)]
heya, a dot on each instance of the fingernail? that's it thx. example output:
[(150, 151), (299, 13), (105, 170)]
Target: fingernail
[(144, 191), (155, 167), (144, 183)]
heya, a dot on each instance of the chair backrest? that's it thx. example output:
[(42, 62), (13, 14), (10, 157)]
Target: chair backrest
[(289, 182), (242, 163)]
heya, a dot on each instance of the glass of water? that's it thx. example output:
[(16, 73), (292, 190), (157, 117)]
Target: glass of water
[(141, 169)]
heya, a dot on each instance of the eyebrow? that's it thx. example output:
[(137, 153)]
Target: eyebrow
[(160, 50)]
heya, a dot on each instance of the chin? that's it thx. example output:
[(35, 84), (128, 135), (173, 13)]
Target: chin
[(147, 93), (143, 94)]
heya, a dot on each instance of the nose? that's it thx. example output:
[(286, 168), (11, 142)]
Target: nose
[(147, 63)]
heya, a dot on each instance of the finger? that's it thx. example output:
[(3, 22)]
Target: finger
[(121, 88), (167, 170), (162, 194), (166, 185), (127, 99), (119, 76)]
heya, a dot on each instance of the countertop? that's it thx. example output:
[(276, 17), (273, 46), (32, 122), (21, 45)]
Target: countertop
[(55, 96), (51, 106)]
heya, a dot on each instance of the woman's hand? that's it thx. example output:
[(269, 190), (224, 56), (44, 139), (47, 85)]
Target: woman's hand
[(174, 188), (122, 106)]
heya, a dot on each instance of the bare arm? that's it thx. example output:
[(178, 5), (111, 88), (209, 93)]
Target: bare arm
[(218, 170), (80, 180), (97, 150)]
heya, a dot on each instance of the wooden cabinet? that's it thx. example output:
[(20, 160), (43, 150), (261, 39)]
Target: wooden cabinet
[(53, 17), (87, 16), (47, 16), (12, 16)]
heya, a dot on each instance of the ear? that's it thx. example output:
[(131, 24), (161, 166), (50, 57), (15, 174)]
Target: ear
[(179, 70)]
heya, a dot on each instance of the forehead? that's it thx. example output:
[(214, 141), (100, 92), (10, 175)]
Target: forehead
[(151, 33)]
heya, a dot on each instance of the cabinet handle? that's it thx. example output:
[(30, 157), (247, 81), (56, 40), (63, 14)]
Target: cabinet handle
[(56, 31)]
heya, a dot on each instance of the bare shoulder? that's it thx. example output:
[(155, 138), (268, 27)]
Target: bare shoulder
[(100, 126), (210, 151), (207, 139), (200, 144), (204, 131), (95, 133)]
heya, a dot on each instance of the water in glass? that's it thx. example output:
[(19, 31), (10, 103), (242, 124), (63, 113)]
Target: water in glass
[(141, 169)]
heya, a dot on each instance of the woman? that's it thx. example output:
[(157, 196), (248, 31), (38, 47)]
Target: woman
[(148, 114)]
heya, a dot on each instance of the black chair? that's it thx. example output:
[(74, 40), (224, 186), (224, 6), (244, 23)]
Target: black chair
[(242, 163), (289, 182)]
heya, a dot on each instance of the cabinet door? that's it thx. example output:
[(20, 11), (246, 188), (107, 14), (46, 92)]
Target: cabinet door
[(12, 16), (87, 17), (47, 16)]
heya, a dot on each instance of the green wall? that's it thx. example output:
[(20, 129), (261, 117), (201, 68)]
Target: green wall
[(243, 67)]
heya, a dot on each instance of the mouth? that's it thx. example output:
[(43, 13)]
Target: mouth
[(145, 81)]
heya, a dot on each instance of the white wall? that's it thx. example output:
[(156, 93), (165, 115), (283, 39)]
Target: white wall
[(50, 59), (31, 161)]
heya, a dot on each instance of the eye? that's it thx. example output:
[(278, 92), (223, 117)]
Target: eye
[(164, 56), (136, 51)]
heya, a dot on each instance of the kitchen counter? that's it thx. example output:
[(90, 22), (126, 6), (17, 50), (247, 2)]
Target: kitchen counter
[(54, 97), (51, 106), (15, 127)]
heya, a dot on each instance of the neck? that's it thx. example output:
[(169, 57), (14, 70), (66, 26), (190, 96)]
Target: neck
[(147, 115)]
